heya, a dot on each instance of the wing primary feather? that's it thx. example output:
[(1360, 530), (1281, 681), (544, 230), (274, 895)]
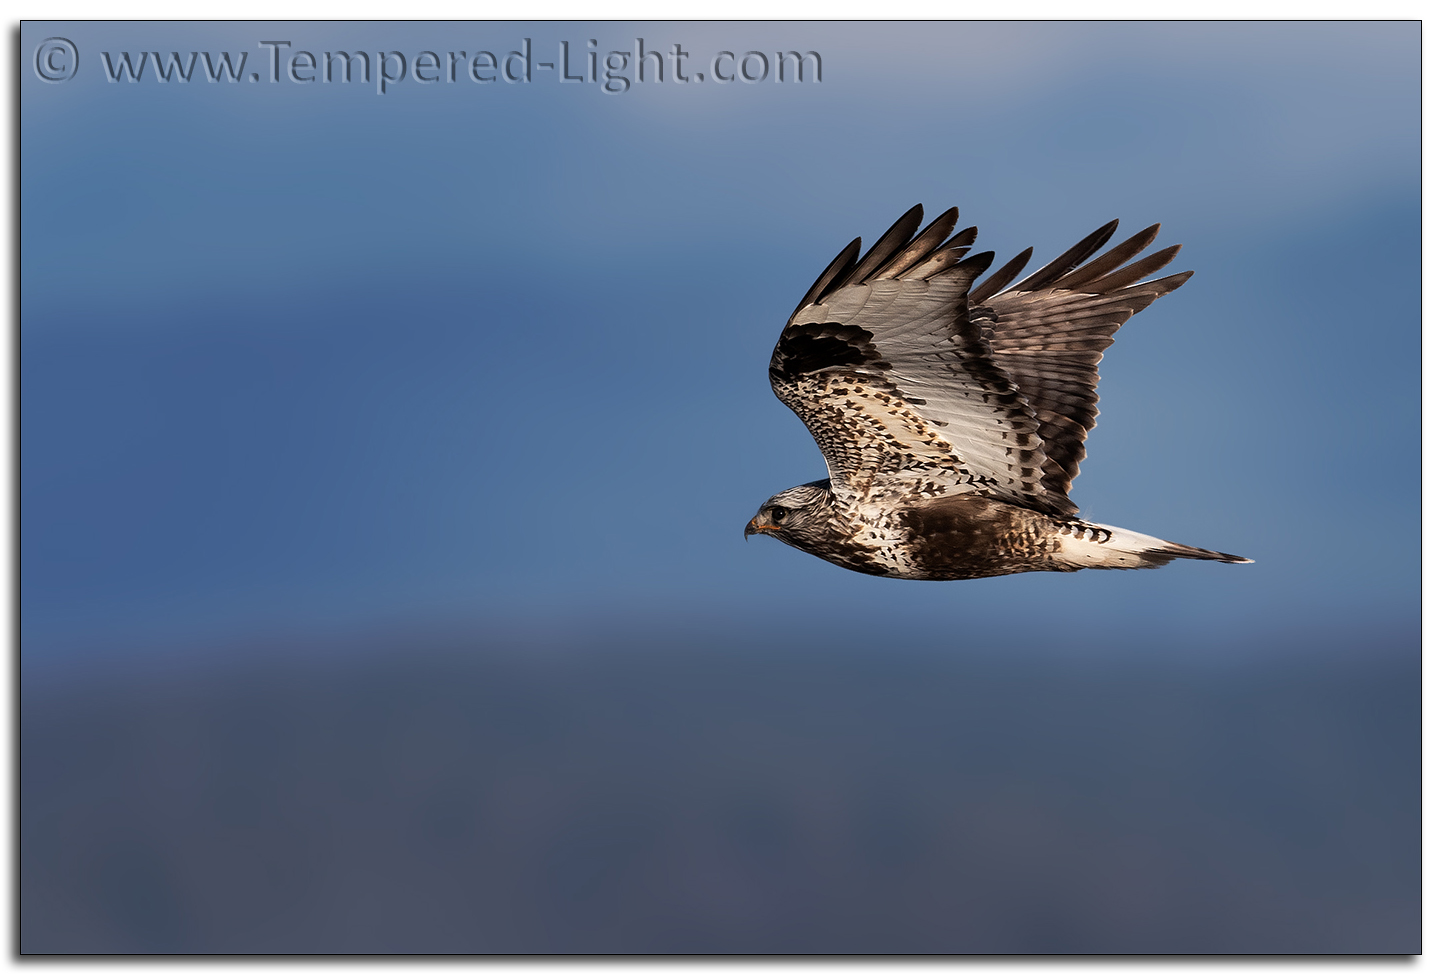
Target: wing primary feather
[(920, 248), (942, 258), (1164, 286), (884, 249), (1108, 262), (1068, 262), (974, 265), (1133, 273), (1000, 279), (963, 238), (839, 266)]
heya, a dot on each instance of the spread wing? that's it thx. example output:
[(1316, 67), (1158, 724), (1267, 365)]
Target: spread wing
[(1049, 332), (913, 390)]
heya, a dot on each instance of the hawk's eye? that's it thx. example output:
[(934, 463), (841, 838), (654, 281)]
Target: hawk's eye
[(778, 515)]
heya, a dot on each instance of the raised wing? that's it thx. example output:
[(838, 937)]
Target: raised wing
[(897, 385), (1049, 332), (913, 390)]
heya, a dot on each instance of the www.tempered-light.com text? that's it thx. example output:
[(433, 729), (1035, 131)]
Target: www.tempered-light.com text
[(613, 72)]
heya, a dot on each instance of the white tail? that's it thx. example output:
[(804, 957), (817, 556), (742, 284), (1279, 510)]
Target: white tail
[(1088, 546)]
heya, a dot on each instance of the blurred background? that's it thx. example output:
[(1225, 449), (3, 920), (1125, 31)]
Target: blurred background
[(384, 461)]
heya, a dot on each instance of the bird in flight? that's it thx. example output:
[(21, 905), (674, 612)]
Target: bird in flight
[(952, 413)]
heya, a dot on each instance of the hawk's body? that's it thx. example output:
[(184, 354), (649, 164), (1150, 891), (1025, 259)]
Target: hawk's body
[(952, 414)]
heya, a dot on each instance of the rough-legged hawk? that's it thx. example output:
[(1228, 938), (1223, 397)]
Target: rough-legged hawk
[(952, 414)]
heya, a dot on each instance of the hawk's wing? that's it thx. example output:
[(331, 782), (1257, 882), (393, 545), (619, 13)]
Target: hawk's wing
[(910, 395), (1048, 333)]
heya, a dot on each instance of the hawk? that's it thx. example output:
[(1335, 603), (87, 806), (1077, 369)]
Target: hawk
[(951, 413)]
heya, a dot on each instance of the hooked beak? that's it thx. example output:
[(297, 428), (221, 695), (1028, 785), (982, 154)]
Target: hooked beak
[(754, 527)]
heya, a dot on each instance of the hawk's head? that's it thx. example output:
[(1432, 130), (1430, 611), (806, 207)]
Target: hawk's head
[(799, 516)]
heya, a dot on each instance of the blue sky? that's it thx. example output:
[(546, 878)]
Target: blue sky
[(309, 358)]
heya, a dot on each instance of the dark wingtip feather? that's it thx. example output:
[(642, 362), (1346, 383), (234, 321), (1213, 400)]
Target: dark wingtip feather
[(963, 238), (922, 247), (1083, 276), (1069, 261), (942, 257), (1172, 282), (1001, 278), (974, 265), (838, 267), (891, 242), (1134, 272)]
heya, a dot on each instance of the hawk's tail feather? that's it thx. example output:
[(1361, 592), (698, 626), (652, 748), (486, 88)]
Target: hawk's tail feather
[(1174, 550), (1083, 545)]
